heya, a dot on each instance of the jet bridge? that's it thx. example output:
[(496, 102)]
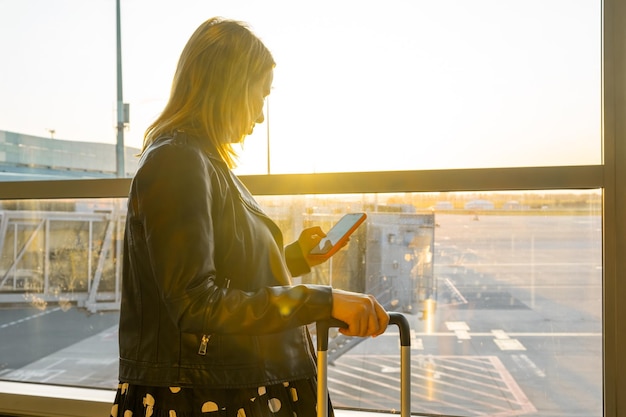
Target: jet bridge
[(389, 256), (65, 257), (71, 257)]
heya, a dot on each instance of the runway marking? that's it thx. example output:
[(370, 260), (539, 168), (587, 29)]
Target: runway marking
[(460, 328), (504, 342), (524, 362), (468, 385), (557, 334), (455, 290), (54, 364), (490, 334), (500, 334), (525, 264), (457, 325), (525, 404), (27, 318), (90, 362), (509, 344), (39, 375), (462, 335)]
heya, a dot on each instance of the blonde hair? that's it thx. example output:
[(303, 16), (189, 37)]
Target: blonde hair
[(209, 95)]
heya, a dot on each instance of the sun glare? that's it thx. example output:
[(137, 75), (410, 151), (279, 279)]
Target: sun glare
[(433, 85)]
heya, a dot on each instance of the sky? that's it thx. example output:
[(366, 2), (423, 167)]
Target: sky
[(359, 84)]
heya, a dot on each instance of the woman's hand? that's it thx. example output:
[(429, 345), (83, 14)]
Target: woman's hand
[(309, 238), (361, 312)]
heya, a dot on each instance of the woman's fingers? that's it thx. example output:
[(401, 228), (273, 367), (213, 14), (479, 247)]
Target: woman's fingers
[(362, 313), (383, 319), (310, 237)]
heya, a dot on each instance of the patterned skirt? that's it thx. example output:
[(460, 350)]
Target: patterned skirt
[(290, 399)]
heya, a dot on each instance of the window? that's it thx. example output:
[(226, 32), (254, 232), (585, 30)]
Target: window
[(364, 86), (494, 152), (503, 292)]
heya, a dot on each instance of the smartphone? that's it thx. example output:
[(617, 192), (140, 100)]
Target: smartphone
[(338, 235)]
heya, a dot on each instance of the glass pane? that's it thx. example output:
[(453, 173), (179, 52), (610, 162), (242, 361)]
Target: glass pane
[(59, 291), (506, 306), (431, 85), (503, 292)]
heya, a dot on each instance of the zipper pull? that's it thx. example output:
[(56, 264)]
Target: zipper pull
[(203, 344)]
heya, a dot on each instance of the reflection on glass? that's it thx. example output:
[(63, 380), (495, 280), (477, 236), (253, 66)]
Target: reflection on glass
[(502, 290)]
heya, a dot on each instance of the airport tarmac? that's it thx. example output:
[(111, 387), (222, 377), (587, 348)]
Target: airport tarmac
[(517, 329)]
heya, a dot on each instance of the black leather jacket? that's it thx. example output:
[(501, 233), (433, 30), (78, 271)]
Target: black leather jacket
[(207, 298)]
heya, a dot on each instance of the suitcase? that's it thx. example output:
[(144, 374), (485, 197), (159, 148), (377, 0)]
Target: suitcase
[(322, 328)]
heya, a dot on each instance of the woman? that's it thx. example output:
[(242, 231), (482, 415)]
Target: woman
[(210, 322)]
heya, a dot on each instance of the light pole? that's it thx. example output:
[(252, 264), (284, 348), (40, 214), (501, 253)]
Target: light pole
[(122, 115)]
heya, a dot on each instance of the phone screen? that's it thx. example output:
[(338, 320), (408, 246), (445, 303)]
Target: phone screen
[(339, 233)]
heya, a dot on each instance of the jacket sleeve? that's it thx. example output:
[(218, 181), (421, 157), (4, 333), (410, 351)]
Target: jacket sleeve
[(296, 262), (174, 198)]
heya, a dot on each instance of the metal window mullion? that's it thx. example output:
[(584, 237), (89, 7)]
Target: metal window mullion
[(46, 255), (614, 207), (89, 255)]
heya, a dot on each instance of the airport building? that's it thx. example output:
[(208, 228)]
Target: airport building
[(26, 157)]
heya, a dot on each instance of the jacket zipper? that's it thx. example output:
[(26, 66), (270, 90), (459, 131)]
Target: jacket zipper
[(203, 344), (206, 337)]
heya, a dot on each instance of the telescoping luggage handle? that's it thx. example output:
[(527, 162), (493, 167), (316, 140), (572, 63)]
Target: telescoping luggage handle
[(322, 328)]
